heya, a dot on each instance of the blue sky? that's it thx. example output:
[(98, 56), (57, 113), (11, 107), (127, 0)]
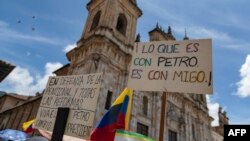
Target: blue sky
[(58, 26)]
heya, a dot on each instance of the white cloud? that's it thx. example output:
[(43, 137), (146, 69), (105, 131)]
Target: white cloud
[(245, 46), (220, 38), (49, 69), (202, 32), (21, 81), (3, 24), (213, 108), (28, 53), (69, 47), (244, 84)]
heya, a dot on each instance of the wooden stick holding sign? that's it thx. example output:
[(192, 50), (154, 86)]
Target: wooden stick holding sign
[(163, 111)]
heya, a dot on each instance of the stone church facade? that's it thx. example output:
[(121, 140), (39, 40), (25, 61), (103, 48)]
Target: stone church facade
[(106, 46)]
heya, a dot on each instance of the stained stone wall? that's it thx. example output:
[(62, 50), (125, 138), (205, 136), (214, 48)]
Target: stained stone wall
[(14, 117)]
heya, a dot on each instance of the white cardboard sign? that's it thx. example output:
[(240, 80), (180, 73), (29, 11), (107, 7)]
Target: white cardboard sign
[(80, 94), (172, 66)]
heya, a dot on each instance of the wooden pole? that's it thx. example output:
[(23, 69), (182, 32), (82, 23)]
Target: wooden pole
[(163, 111), (60, 124)]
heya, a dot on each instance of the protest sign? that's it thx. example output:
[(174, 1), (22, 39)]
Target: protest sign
[(77, 92), (172, 66)]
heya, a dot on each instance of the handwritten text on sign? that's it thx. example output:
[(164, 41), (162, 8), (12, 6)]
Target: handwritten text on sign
[(173, 66), (80, 94)]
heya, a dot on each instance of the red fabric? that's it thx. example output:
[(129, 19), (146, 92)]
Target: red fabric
[(120, 124), (30, 129), (106, 133)]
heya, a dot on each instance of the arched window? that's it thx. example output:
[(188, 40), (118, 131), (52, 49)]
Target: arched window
[(96, 20), (121, 25), (145, 105)]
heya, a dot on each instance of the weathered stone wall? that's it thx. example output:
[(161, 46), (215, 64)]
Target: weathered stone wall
[(181, 115), (8, 102), (16, 116)]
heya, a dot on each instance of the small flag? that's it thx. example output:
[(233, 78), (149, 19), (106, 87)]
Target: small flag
[(122, 135), (28, 126), (117, 117)]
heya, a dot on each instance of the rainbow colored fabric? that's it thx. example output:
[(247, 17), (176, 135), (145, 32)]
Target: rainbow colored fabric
[(117, 117)]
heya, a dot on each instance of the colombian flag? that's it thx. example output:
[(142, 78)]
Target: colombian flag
[(116, 118), (27, 126)]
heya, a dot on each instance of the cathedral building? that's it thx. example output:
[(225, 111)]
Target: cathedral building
[(106, 46)]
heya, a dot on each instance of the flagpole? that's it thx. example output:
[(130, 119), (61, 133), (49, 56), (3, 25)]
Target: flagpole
[(163, 110)]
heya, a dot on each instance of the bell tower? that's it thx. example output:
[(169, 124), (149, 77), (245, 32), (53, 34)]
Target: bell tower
[(114, 19), (108, 35), (105, 46)]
